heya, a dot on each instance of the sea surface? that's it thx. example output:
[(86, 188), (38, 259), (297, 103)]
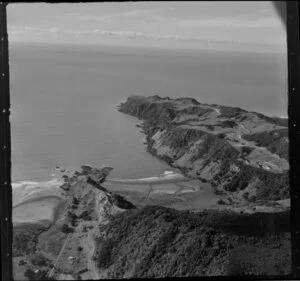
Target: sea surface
[(64, 98)]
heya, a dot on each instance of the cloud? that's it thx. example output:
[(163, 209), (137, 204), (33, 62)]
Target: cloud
[(18, 33), (108, 17), (81, 17), (125, 34), (30, 33), (133, 35), (140, 12), (234, 23), (31, 29)]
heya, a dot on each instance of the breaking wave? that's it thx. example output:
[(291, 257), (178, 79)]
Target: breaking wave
[(24, 189)]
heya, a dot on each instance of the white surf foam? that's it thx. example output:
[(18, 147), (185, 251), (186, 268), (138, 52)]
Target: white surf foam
[(24, 189), (22, 184), (33, 184), (169, 172)]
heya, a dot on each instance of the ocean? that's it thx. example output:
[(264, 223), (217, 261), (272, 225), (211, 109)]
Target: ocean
[(64, 98)]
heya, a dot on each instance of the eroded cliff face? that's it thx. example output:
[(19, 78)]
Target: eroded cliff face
[(238, 152)]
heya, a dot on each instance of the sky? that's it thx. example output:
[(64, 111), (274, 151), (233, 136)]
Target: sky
[(252, 25)]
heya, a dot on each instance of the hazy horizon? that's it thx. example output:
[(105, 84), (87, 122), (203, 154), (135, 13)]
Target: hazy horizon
[(241, 26)]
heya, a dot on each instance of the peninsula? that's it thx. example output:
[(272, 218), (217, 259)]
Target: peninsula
[(239, 153)]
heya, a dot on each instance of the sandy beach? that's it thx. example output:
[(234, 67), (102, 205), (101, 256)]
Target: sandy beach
[(43, 207)]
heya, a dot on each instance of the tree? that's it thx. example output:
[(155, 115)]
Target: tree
[(29, 273), (66, 229), (38, 259), (83, 214), (72, 215), (73, 222)]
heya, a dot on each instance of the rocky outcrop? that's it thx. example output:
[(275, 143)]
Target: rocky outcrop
[(237, 151)]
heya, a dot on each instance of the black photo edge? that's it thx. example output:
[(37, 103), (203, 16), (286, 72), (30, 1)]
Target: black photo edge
[(293, 60)]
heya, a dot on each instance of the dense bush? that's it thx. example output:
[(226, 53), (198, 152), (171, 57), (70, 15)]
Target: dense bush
[(161, 242), (104, 257)]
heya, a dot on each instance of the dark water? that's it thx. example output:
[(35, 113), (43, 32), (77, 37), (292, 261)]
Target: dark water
[(63, 100)]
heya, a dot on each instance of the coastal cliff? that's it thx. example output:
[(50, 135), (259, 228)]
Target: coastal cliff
[(238, 152)]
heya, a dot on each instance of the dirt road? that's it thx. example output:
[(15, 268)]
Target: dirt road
[(59, 255), (91, 264)]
